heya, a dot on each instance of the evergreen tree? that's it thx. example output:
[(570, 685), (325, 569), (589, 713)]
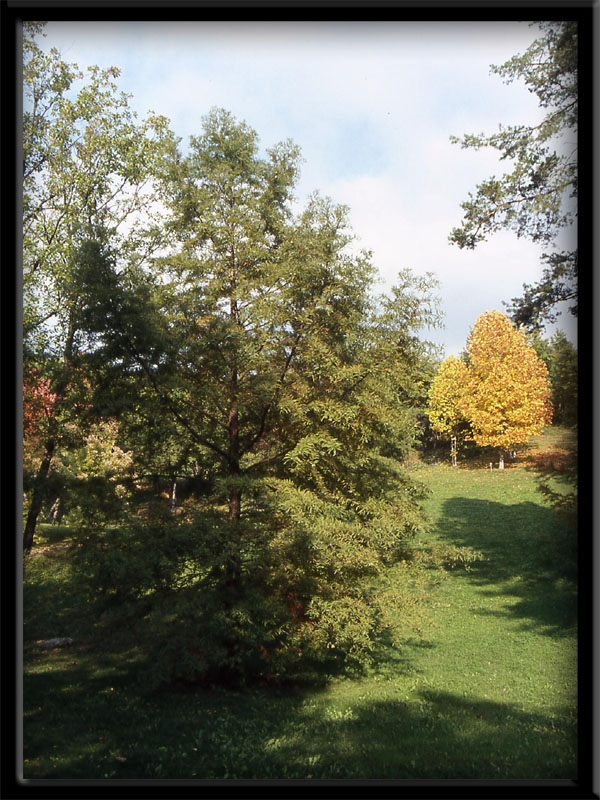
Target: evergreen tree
[(564, 378), (537, 198), (560, 356), (302, 392)]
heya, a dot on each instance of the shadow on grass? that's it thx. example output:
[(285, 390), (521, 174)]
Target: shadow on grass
[(440, 736), (529, 554), (94, 728), (86, 716), (53, 604)]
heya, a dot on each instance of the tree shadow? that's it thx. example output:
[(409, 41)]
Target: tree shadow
[(441, 736), (86, 715), (97, 727), (529, 554)]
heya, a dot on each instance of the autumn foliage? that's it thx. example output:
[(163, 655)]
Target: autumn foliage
[(445, 396), (503, 392), (38, 402)]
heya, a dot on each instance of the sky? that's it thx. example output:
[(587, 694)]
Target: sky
[(372, 106)]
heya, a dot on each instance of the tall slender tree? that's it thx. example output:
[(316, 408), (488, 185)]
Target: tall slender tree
[(87, 163), (564, 377)]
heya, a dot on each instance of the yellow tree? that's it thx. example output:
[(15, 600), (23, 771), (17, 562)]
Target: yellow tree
[(507, 393), (446, 401)]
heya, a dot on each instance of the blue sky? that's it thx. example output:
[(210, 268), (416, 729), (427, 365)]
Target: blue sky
[(372, 106)]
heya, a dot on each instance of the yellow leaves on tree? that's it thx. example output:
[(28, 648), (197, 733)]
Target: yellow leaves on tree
[(506, 396), (446, 395)]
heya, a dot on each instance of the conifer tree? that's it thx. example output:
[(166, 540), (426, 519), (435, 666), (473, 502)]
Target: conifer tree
[(564, 377), (536, 198), (300, 389)]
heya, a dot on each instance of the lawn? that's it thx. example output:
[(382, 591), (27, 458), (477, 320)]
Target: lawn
[(488, 690)]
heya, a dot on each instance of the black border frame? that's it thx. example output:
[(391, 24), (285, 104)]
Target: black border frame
[(586, 13)]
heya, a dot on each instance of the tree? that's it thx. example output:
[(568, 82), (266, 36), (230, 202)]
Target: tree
[(445, 401), (95, 474), (38, 411), (507, 394), (537, 198), (299, 389), (564, 378), (38, 402), (87, 164)]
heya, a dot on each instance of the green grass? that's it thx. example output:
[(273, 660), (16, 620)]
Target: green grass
[(488, 691)]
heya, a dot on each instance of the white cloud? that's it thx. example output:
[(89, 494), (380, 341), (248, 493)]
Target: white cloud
[(372, 105)]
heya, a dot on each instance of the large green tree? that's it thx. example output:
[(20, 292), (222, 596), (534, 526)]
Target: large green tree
[(87, 163), (297, 386), (537, 197)]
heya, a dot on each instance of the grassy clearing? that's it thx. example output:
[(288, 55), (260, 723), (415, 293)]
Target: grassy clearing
[(488, 691)]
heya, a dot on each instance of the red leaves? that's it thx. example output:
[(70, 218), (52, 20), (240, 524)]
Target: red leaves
[(38, 403)]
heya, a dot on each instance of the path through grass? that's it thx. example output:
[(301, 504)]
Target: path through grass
[(487, 692)]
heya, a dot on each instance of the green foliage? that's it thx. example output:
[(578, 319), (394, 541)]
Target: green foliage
[(535, 199), (87, 175), (87, 163), (558, 284), (306, 591), (295, 393), (301, 597), (564, 378), (248, 353), (451, 556), (560, 356)]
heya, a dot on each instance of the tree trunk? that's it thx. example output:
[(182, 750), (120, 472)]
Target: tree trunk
[(39, 489), (38, 495), (56, 511), (235, 493), (173, 493)]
